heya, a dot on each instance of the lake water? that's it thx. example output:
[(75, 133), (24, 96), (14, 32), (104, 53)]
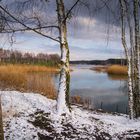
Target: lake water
[(87, 87), (100, 89)]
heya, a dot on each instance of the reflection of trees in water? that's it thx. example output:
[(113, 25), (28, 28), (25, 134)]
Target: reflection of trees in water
[(95, 104), (117, 104), (117, 77), (123, 82), (124, 87)]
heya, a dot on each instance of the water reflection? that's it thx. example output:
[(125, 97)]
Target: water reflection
[(91, 89), (117, 77), (100, 89)]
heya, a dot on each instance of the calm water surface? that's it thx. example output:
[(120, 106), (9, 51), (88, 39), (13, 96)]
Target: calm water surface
[(103, 91)]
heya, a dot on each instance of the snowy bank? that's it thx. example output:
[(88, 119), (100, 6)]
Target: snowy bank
[(32, 116)]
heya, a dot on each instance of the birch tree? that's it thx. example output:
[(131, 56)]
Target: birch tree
[(64, 81), (63, 104), (124, 16), (137, 57), (131, 23)]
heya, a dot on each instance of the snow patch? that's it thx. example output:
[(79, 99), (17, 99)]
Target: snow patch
[(33, 116)]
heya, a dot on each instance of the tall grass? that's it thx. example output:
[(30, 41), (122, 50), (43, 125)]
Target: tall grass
[(26, 68), (28, 78), (85, 102), (117, 70)]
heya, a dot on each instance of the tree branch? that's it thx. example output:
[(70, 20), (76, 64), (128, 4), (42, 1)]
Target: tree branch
[(27, 27), (68, 13)]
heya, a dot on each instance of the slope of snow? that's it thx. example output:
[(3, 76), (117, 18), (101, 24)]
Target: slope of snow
[(32, 116)]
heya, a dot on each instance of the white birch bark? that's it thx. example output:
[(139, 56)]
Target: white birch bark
[(130, 92), (128, 56), (63, 105), (137, 54)]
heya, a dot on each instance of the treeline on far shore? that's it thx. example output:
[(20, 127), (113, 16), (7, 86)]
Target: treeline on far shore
[(17, 57), (112, 61)]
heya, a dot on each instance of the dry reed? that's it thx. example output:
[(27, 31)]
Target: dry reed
[(28, 78), (117, 70), (99, 68)]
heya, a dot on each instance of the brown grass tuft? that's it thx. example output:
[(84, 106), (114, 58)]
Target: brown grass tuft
[(76, 99), (117, 70)]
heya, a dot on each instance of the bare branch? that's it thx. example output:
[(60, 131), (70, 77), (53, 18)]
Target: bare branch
[(69, 11), (27, 27)]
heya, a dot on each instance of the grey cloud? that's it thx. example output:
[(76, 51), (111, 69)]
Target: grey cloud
[(87, 28), (87, 24)]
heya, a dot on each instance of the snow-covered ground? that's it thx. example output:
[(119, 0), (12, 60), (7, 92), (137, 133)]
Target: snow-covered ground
[(31, 116)]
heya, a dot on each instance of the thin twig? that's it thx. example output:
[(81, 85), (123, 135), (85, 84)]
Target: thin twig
[(27, 27)]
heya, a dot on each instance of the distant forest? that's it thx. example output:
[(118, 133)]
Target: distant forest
[(101, 62), (17, 57)]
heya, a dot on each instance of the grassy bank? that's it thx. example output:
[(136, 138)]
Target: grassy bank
[(113, 69), (28, 78)]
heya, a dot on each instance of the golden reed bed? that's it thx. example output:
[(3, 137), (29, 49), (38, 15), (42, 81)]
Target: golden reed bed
[(28, 78), (113, 69)]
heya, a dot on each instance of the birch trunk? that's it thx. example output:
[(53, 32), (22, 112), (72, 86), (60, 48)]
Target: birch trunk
[(128, 56), (137, 60), (131, 38), (130, 91), (63, 105)]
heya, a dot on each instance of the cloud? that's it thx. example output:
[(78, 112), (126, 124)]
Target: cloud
[(91, 28), (80, 48), (88, 36)]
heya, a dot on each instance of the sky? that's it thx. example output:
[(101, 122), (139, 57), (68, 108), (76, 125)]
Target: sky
[(90, 37)]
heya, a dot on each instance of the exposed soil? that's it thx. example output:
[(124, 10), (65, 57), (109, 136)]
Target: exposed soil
[(43, 121)]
